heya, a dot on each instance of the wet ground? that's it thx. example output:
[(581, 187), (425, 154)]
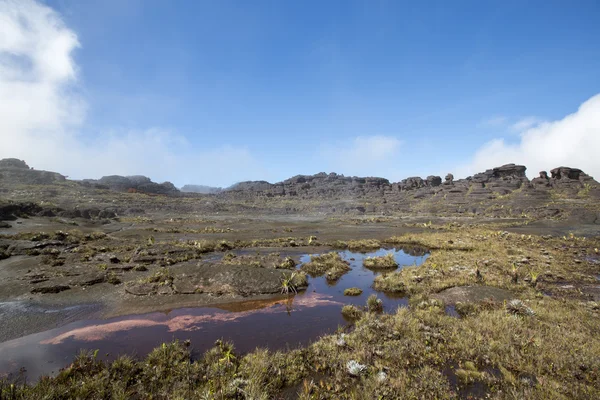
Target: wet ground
[(279, 323)]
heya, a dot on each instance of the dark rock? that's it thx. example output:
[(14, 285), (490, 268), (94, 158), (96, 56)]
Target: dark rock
[(107, 214), (46, 213), (13, 171), (542, 181), (133, 184), (449, 179), (566, 173), (69, 214), (434, 181), (54, 288), (89, 279), (12, 211)]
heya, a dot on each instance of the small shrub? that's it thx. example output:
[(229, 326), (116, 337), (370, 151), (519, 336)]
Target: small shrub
[(352, 312), (163, 277), (374, 304), (288, 263), (291, 283), (112, 278), (517, 307)]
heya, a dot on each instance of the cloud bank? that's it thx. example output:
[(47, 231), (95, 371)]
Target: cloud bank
[(42, 114), (572, 141)]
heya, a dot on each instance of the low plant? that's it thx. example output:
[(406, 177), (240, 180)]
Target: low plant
[(353, 291), (330, 264), (352, 312), (162, 276), (292, 282), (387, 261), (374, 303), (287, 263)]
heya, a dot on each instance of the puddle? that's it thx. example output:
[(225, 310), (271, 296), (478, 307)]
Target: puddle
[(451, 312), (280, 323)]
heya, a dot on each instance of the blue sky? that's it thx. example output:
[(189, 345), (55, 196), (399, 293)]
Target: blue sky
[(271, 89)]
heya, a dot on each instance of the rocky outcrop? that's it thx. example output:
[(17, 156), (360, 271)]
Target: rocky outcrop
[(13, 163), (449, 180), (17, 172), (321, 185), (542, 181), (502, 179), (570, 178), (132, 184)]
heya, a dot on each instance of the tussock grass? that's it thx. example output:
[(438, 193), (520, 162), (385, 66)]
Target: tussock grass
[(353, 291), (352, 312), (330, 264), (383, 262)]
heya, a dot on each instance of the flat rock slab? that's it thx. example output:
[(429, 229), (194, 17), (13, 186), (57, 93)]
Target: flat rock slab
[(50, 289), (89, 279), (473, 294), (141, 289)]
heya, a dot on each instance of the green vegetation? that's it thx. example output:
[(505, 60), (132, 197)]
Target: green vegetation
[(374, 304), (351, 312), (383, 262), (420, 349), (330, 264), (353, 291), (540, 344), (290, 283), (162, 276)]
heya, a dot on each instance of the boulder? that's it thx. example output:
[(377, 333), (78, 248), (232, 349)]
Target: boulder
[(542, 180), (449, 179), (572, 179), (434, 181)]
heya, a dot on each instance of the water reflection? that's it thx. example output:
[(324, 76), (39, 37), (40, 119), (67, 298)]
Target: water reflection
[(280, 323)]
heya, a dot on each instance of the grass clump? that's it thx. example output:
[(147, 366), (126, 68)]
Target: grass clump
[(468, 373), (353, 291), (352, 312), (293, 282), (113, 278), (383, 262), (392, 283), (163, 277), (287, 263), (330, 264), (374, 303)]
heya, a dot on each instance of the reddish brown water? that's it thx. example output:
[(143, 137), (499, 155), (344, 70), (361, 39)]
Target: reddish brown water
[(281, 323)]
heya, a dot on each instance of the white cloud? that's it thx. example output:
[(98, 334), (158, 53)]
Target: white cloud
[(364, 155), (525, 123), (42, 113), (572, 141)]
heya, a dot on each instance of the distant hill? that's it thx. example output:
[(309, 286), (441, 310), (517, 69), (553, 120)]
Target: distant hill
[(203, 189)]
